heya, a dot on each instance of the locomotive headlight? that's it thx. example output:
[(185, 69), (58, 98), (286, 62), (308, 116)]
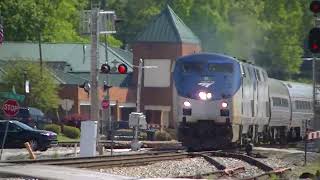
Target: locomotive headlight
[(203, 95), (187, 104), (209, 95), (224, 104)]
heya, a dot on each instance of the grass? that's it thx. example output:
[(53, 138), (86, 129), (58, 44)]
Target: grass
[(63, 138), (310, 167)]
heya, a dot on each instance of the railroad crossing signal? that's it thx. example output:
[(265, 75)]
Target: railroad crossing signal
[(314, 40), (86, 86), (122, 69), (315, 7), (105, 68), (314, 34)]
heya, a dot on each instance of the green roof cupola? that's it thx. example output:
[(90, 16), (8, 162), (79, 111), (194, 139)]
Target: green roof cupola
[(167, 27)]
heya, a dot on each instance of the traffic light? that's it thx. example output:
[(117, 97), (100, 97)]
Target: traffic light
[(105, 68), (315, 7), (314, 40), (122, 69)]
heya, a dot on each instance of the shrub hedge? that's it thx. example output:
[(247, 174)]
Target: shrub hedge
[(53, 127), (162, 136), (71, 132)]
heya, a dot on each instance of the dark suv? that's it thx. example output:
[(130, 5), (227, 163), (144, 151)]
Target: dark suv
[(32, 117), (19, 133)]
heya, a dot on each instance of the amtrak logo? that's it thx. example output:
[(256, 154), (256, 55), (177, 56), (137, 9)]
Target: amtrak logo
[(206, 84)]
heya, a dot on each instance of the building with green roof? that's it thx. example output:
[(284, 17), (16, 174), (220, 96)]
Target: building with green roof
[(165, 38), (169, 28)]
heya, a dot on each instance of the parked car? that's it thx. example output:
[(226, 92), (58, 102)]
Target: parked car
[(18, 133), (32, 117)]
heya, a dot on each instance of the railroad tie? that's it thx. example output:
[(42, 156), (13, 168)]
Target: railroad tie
[(218, 165)]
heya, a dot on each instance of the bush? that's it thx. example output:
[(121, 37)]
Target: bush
[(75, 119), (162, 136), (53, 127), (71, 132)]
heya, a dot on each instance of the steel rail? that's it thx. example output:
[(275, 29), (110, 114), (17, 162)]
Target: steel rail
[(252, 161), (106, 161), (231, 172)]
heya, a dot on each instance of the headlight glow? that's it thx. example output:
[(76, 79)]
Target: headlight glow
[(224, 104), (203, 95), (187, 104), (45, 133), (209, 95)]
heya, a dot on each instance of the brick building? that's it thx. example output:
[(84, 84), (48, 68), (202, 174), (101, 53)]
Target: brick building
[(163, 40)]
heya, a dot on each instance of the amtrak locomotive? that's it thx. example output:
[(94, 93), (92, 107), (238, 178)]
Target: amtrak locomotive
[(222, 101)]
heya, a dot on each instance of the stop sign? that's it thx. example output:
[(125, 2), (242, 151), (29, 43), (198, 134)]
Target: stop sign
[(11, 107), (105, 104)]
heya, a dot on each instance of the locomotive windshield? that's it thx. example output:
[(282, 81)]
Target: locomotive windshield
[(192, 67), (225, 67)]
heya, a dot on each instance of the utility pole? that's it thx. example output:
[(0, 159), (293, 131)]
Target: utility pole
[(94, 99), (95, 22)]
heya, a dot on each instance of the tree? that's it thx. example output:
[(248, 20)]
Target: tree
[(43, 88), (55, 20), (282, 41)]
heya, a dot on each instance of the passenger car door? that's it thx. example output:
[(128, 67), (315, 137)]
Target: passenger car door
[(16, 136), (3, 126)]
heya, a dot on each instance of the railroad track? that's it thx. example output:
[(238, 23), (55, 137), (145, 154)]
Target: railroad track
[(126, 144), (155, 156), (232, 172), (108, 161)]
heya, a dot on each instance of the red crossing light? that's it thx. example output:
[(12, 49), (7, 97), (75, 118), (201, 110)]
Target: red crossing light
[(315, 6), (122, 69), (314, 40)]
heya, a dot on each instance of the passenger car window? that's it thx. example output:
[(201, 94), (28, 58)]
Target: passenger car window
[(281, 102), (276, 101), (14, 128), (303, 105), (284, 103)]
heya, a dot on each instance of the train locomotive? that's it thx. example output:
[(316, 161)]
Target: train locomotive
[(221, 101)]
